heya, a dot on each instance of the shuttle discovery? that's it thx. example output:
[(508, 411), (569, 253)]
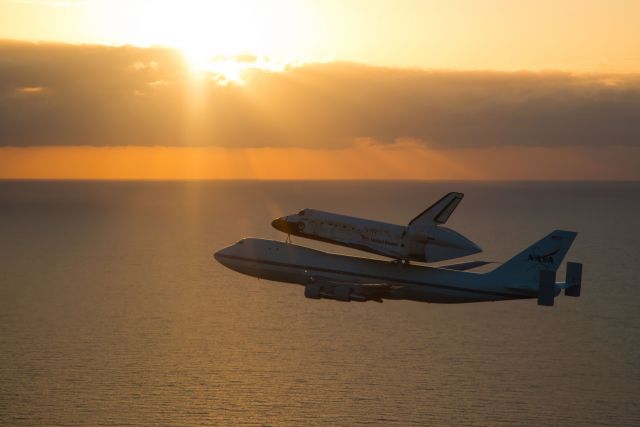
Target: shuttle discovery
[(530, 274), (423, 239)]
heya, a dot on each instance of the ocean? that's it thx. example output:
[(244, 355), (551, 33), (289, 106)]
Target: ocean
[(114, 312)]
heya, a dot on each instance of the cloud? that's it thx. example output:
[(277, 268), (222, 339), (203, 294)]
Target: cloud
[(56, 94)]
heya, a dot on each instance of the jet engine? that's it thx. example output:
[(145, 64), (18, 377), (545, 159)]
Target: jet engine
[(312, 291), (339, 293)]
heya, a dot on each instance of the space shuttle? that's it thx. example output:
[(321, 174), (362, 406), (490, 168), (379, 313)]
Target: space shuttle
[(423, 239)]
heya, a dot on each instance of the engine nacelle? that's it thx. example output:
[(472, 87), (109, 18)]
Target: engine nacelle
[(342, 293), (338, 293), (312, 291)]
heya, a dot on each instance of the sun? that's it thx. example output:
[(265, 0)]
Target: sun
[(223, 69), (217, 36)]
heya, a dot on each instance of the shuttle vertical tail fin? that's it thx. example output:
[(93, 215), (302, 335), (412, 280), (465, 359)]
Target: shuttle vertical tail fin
[(439, 212)]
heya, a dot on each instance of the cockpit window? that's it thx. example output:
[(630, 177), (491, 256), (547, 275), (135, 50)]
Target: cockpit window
[(301, 213)]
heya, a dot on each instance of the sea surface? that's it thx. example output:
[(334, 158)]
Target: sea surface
[(114, 312)]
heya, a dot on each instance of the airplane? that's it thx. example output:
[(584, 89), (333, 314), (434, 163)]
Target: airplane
[(423, 239), (530, 274)]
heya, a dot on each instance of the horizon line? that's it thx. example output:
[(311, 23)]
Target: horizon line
[(515, 180)]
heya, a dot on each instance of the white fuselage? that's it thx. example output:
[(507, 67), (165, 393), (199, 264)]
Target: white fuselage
[(268, 259), (427, 244)]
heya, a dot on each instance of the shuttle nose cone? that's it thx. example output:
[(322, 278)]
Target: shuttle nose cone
[(281, 224)]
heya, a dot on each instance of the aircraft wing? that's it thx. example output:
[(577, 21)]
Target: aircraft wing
[(535, 287), (463, 266), (323, 287)]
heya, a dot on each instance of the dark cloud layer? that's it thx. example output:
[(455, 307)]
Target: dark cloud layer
[(53, 94)]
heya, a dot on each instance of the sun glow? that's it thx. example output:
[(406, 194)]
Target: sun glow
[(232, 69), (224, 38)]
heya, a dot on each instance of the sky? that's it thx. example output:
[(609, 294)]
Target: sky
[(319, 89)]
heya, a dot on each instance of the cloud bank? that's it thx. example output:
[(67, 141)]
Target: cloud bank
[(55, 94)]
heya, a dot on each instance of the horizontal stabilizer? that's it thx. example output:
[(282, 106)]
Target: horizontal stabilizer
[(547, 290), (574, 279), (439, 212)]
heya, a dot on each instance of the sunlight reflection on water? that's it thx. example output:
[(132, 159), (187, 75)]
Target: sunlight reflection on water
[(112, 311)]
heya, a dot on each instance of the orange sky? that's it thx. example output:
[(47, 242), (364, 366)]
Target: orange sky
[(93, 112), (571, 35), (400, 161)]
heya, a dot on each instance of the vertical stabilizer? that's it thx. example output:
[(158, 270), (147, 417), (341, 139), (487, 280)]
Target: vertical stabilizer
[(546, 254), (439, 212)]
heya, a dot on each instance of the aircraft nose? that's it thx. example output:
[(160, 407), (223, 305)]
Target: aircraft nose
[(281, 224), (220, 255)]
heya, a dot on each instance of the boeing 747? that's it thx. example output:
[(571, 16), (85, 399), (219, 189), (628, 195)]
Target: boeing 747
[(530, 274)]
